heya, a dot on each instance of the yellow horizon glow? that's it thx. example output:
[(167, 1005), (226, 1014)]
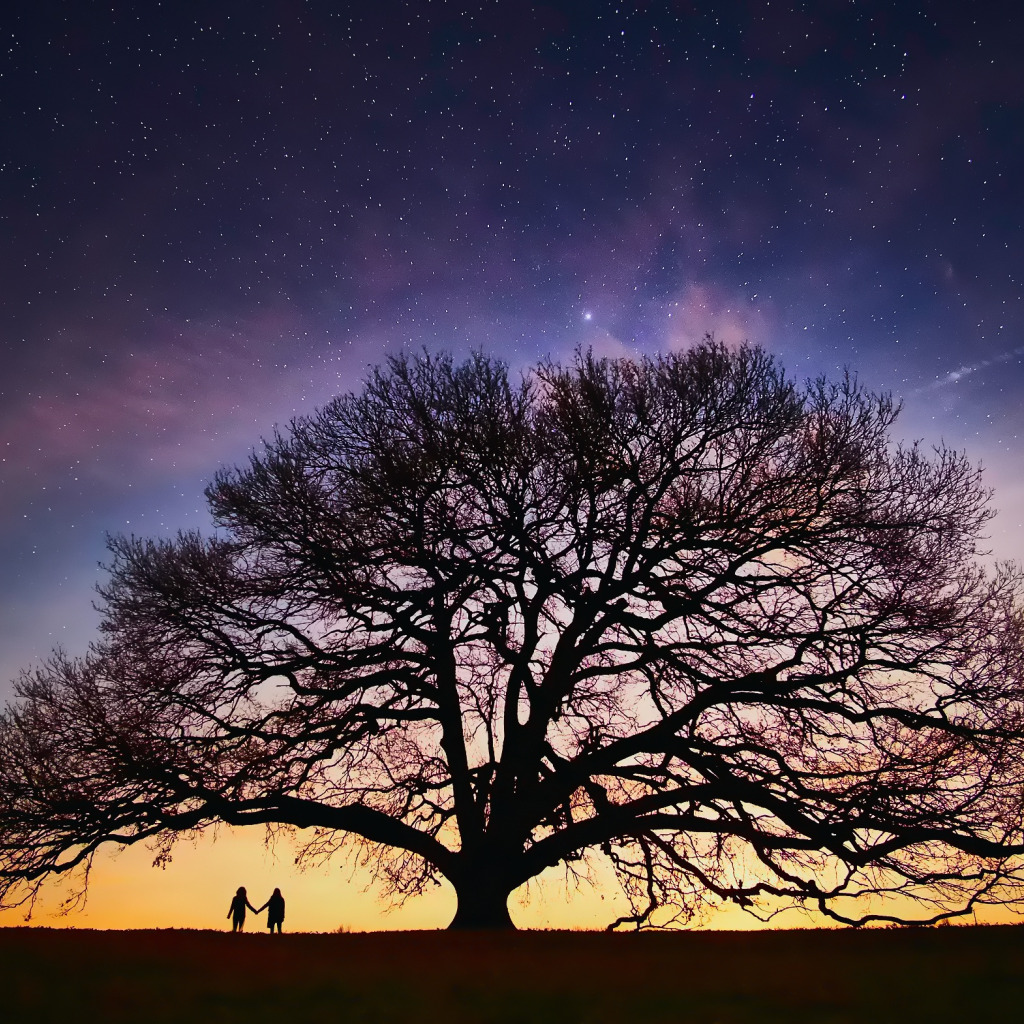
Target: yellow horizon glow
[(195, 890)]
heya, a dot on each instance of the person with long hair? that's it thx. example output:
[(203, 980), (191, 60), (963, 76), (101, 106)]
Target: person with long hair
[(275, 911), (237, 909)]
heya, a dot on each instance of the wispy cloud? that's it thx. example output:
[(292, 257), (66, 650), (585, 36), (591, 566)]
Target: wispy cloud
[(175, 403), (970, 369), (705, 308)]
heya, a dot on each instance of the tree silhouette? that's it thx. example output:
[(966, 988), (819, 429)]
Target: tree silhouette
[(678, 613)]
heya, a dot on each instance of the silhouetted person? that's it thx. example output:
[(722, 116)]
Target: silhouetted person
[(237, 910), (275, 911)]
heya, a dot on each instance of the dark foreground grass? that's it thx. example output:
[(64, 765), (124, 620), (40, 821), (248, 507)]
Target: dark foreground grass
[(943, 974)]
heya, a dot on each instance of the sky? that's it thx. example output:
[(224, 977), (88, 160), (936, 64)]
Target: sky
[(214, 217)]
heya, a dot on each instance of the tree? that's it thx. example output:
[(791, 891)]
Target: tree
[(678, 612)]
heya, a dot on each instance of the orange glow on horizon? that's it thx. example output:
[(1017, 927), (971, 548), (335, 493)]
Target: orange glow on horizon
[(195, 889)]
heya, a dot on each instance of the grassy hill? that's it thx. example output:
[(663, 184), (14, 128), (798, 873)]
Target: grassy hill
[(942, 974)]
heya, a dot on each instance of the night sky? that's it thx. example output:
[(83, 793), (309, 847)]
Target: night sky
[(213, 217)]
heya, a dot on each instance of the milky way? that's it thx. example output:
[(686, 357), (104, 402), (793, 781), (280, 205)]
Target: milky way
[(212, 222)]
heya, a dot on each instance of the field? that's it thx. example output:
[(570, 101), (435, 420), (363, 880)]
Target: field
[(943, 974)]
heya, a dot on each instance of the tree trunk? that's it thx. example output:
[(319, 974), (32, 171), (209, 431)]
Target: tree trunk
[(482, 905)]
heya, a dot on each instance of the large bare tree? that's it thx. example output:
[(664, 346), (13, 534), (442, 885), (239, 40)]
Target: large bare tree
[(679, 613)]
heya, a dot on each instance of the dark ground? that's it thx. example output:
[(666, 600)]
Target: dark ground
[(973, 974)]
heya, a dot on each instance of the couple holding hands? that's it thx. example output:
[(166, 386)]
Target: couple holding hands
[(274, 907)]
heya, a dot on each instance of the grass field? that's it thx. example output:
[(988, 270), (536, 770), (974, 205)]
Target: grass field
[(943, 974)]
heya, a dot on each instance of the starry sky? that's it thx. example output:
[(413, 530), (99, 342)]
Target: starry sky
[(214, 217)]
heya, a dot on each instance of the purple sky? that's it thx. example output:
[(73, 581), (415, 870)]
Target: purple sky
[(214, 217)]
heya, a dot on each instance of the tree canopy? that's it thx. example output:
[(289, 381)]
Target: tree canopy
[(681, 614)]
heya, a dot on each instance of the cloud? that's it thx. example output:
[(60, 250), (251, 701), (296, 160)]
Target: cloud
[(177, 403), (969, 369), (703, 308)]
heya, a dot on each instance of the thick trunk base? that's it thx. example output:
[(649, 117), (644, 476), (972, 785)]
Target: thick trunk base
[(482, 910)]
